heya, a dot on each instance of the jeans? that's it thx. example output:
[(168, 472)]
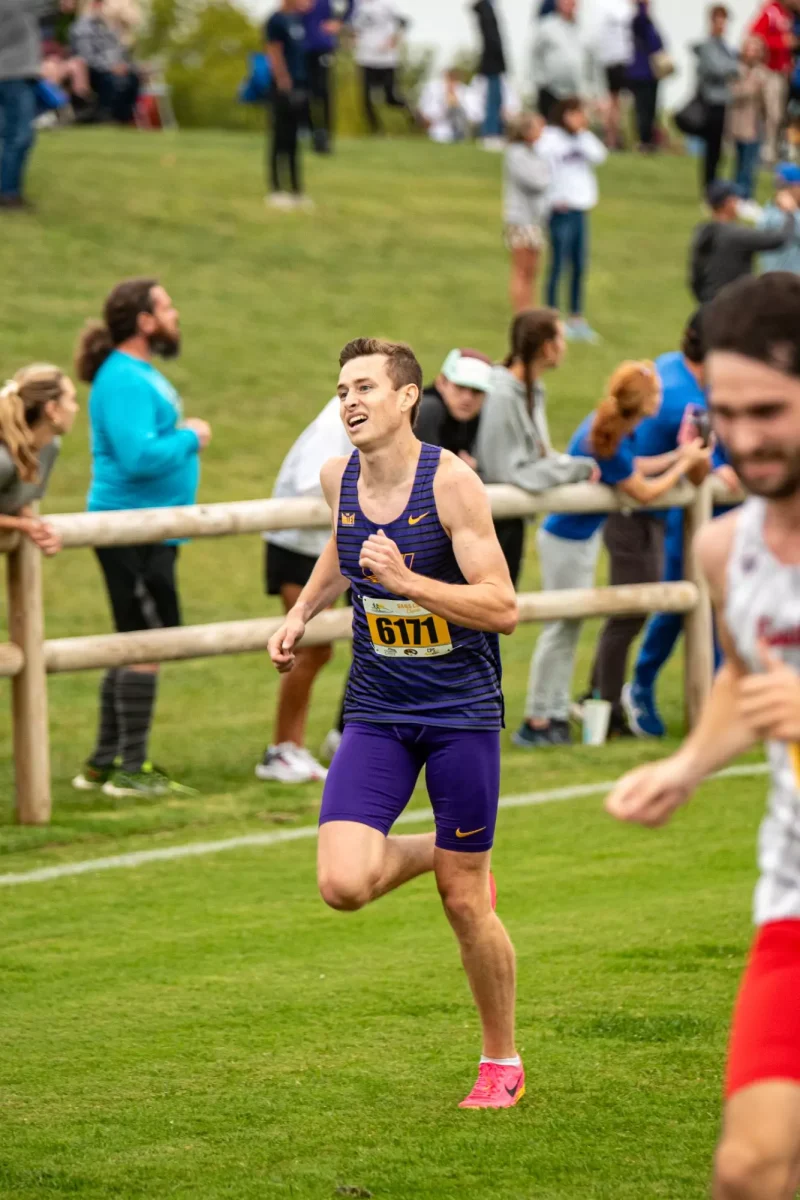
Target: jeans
[(748, 155), (493, 121), (116, 94), (17, 113), (569, 245)]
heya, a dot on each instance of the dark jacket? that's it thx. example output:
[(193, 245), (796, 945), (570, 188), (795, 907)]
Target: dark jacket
[(435, 425), (723, 253), (646, 42), (493, 59)]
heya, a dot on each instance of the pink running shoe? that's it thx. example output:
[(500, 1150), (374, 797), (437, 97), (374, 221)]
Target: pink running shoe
[(497, 1087)]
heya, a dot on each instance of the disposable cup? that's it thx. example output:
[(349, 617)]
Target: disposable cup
[(596, 718)]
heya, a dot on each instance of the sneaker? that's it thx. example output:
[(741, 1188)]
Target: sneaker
[(91, 777), (288, 763), (281, 200), (560, 733), (146, 784), (496, 1087), (528, 738), (333, 741), (579, 330), (640, 708)]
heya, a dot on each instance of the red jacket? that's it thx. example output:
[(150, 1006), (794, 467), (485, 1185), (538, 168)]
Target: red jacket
[(774, 26)]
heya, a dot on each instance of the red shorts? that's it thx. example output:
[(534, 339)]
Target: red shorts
[(765, 1038)]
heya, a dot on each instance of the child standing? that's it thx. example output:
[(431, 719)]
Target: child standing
[(572, 152), (526, 179)]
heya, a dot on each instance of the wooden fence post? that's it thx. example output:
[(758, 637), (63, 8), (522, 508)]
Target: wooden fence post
[(699, 623), (29, 687)]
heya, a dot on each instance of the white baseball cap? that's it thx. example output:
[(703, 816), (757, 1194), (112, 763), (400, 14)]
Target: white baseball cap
[(465, 370)]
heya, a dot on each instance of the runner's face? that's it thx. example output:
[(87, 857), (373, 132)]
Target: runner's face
[(756, 415), (372, 409)]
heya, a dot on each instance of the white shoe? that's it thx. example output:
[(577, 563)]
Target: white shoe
[(288, 763), (331, 744), (281, 200)]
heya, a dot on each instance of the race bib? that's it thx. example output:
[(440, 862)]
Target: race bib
[(402, 629)]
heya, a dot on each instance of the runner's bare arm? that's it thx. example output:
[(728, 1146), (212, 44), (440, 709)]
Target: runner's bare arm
[(487, 601), (325, 585), (651, 794)]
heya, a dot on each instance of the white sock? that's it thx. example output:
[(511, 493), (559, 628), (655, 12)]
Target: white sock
[(516, 1061)]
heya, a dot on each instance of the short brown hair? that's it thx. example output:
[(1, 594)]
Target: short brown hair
[(759, 318), (402, 365), (718, 10)]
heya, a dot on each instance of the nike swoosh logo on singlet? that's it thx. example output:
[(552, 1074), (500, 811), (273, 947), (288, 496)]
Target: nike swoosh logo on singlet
[(416, 520)]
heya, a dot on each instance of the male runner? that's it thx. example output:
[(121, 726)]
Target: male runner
[(752, 561), (414, 539)]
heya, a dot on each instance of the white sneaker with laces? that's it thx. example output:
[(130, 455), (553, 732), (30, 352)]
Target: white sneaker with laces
[(282, 764), (332, 742), (320, 773)]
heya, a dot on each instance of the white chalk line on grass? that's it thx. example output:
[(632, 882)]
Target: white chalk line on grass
[(140, 858)]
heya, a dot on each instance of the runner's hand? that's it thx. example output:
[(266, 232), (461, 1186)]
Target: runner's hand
[(281, 645), (650, 795), (770, 702), (380, 556)]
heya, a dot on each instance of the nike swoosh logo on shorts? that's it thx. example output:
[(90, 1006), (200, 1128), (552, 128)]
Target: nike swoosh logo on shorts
[(416, 520), (471, 833)]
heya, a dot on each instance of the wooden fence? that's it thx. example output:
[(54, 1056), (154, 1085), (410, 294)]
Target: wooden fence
[(27, 657)]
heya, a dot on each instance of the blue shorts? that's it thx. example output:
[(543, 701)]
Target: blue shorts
[(375, 770)]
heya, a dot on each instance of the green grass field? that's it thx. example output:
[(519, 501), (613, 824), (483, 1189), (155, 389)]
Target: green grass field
[(205, 1028)]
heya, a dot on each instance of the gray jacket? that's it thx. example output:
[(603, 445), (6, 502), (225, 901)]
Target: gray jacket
[(514, 447), (717, 67), (20, 41), (526, 178), (14, 494), (560, 59)]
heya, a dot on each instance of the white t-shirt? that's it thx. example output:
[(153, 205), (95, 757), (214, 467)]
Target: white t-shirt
[(324, 438), (613, 41), (377, 28), (436, 108)]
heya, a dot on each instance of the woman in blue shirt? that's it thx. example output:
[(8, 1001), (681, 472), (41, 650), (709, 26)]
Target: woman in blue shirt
[(569, 543)]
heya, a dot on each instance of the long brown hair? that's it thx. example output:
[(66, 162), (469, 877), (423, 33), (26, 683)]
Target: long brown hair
[(22, 404), (632, 393), (120, 322), (530, 332)]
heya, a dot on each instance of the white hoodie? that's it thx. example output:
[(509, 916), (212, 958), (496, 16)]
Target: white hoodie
[(572, 159)]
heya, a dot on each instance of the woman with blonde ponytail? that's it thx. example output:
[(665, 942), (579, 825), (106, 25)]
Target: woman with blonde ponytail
[(37, 407), (569, 543)]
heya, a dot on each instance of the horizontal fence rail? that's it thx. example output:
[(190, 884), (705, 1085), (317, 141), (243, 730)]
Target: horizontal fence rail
[(27, 658)]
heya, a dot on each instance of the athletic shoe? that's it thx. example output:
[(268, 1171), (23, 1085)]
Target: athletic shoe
[(91, 777), (528, 738), (560, 733), (333, 741), (497, 1087), (288, 763), (147, 784), (281, 200), (579, 330), (640, 708)]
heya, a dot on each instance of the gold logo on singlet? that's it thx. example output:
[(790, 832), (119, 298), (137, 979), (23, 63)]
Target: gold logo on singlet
[(348, 518)]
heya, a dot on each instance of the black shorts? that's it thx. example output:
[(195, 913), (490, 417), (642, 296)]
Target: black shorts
[(141, 586), (511, 536), (616, 77), (282, 567)]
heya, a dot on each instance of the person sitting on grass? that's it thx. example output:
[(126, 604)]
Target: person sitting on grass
[(527, 177), (569, 543), (37, 407), (572, 152), (114, 81)]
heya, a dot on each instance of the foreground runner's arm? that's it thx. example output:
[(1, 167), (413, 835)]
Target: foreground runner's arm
[(487, 600), (651, 794), (324, 587)]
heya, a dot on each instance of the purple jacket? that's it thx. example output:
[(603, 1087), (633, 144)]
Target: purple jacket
[(317, 40), (646, 41)]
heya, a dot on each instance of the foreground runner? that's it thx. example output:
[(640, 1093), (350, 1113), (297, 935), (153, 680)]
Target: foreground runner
[(752, 560), (413, 537)]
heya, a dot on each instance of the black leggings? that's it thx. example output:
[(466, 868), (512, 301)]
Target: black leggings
[(645, 102), (283, 147), (715, 132), (381, 79), (320, 86)]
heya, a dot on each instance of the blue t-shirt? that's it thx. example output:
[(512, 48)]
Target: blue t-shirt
[(579, 527), (659, 434), (289, 31), (140, 456)]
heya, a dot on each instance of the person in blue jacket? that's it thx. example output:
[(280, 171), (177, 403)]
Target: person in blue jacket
[(144, 455), (323, 22)]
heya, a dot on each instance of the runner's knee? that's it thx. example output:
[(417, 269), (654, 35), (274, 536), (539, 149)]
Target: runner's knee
[(345, 893), (744, 1171), (465, 907)]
